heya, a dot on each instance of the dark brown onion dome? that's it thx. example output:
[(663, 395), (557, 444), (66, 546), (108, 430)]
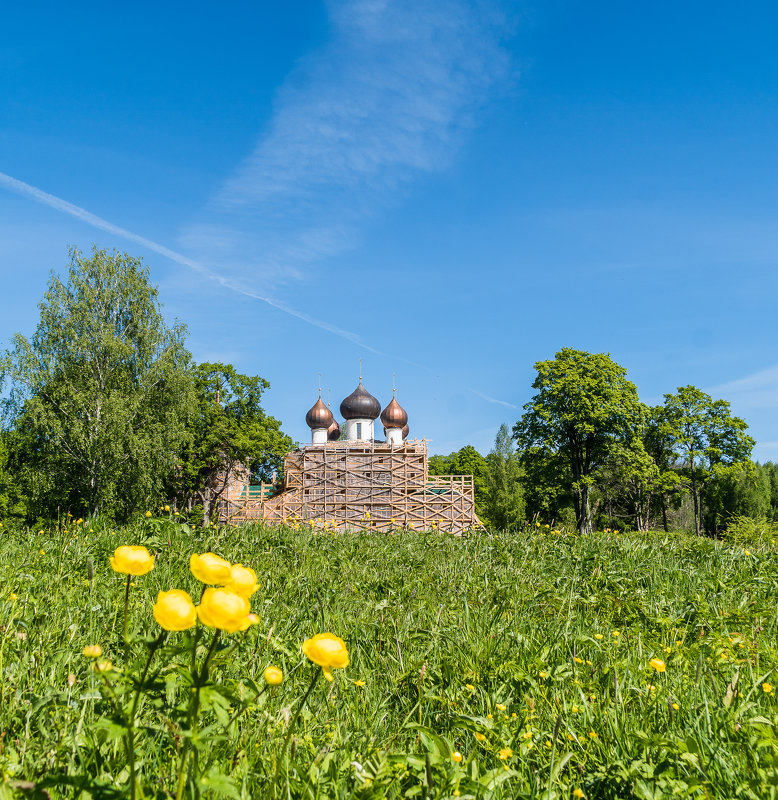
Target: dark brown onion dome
[(394, 416), (360, 404), (333, 432), (319, 416), (406, 431)]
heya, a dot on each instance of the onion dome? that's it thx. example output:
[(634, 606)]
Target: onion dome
[(333, 432), (394, 416), (406, 431), (360, 404), (319, 416)]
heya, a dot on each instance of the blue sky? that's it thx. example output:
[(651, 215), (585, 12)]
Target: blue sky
[(450, 191)]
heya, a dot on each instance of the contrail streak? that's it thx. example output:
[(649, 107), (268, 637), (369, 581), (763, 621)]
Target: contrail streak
[(25, 189)]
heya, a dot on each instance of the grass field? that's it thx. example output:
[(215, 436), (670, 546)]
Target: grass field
[(539, 664)]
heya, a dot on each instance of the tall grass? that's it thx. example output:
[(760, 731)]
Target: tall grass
[(528, 655)]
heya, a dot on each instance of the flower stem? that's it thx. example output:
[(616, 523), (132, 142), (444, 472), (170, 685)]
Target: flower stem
[(293, 723), (194, 713), (126, 609)]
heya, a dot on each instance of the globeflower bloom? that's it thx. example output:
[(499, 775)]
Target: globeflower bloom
[(132, 560), (273, 676), (174, 610), (93, 651), (210, 568), (657, 664), (328, 651), (243, 581), (224, 610)]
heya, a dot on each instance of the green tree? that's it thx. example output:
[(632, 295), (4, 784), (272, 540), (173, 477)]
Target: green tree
[(706, 438), (505, 503), (583, 409), (101, 390), (228, 429)]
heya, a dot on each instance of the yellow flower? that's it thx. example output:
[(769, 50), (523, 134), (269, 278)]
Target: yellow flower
[(148, 513), (767, 688), (650, 687), (470, 687), (130, 559), (42, 552), (505, 753), (359, 683), (668, 650), (79, 521), (598, 636), (489, 716), (541, 674), (657, 664), (480, 737), (103, 666), (251, 619), (243, 582), (578, 794), (13, 596), (273, 676), (575, 709), (328, 651), (617, 633), (224, 610), (210, 568), (592, 735), (93, 651), (501, 707), (174, 610), (457, 756), (578, 660), (675, 706), (537, 524)]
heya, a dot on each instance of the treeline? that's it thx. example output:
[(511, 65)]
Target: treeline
[(106, 413), (587, 453)]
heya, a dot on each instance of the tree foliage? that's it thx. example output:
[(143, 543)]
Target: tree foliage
[(706, 439), (583, 409), (228, 428), (101, 390)]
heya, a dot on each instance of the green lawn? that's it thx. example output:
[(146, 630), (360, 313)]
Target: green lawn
[(529, 655)]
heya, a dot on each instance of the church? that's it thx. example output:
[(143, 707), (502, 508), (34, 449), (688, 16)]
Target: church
[(349, 480)]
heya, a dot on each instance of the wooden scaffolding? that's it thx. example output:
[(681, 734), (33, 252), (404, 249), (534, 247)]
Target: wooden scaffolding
[(349, 485)]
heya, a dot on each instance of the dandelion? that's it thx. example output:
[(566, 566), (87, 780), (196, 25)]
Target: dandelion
[(767, 688), (93, 651), (328, 651), (359, 683), (505, 753), (501, 707), (42, 552), (578, 660), (598, 636), (675, 706), (527, 735), (480, 737), (489, 716), (273, 676), (657, 664), (668, 649), (13, 596), (457, 756)]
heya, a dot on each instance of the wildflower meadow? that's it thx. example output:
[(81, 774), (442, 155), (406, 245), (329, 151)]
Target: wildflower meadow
[(162, 661)]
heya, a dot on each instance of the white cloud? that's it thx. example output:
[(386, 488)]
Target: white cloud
[(758, 390), (384, 102)]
